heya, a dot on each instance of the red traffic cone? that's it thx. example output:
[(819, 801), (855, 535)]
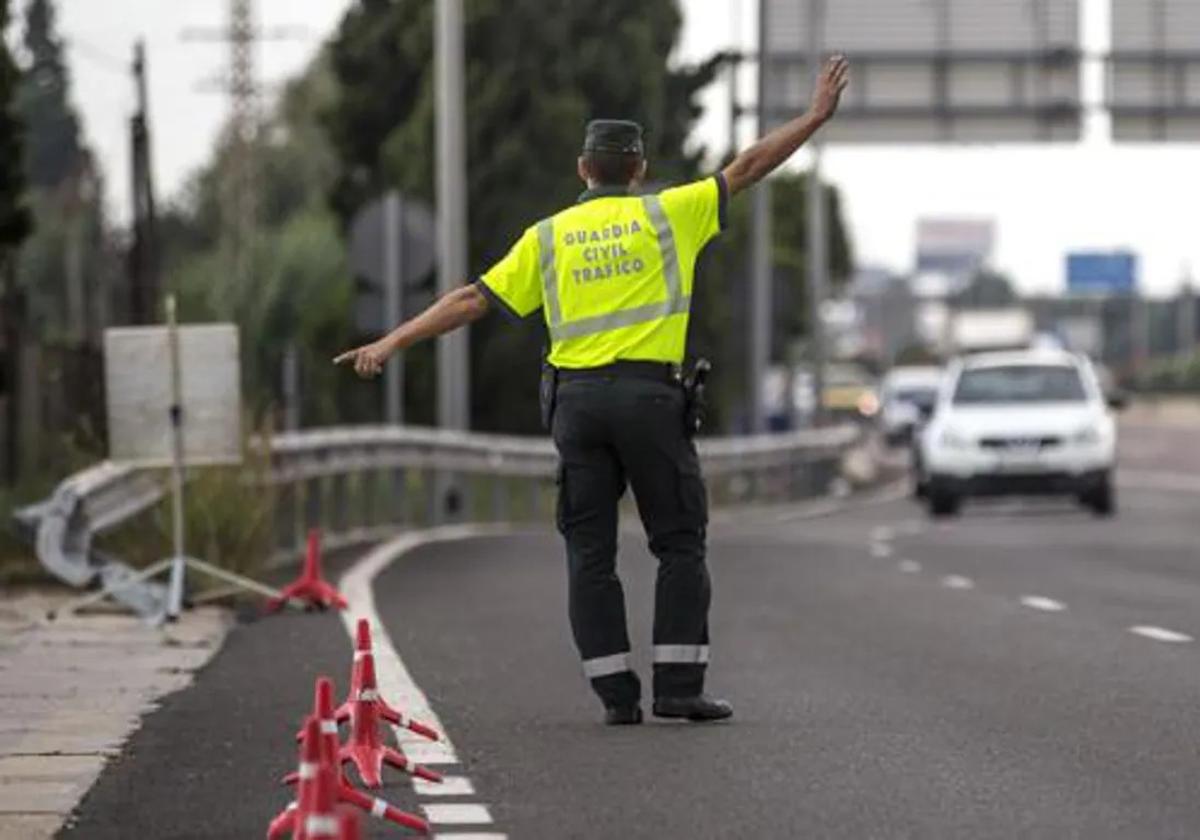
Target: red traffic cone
[(323, 713), (311, 755), (350, 827), (322, 820), (365, 748), (311, 587), (362, 650)]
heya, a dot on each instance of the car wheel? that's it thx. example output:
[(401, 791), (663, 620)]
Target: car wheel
[(942, 503), (1101, 500)]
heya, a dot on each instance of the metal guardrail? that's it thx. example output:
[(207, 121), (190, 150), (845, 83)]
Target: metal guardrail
[(361, 483)]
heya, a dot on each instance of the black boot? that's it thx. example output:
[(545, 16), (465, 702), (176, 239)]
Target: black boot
[(699, 708), (622, 715)]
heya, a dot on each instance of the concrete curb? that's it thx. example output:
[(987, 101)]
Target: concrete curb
[(73, 690)]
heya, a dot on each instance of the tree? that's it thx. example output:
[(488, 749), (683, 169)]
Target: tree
[(535, 74), (14, 227), (54, 149), (986, 290)]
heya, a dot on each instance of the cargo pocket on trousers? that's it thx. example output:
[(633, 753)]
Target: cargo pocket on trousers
[(560, 506), (693, 497)]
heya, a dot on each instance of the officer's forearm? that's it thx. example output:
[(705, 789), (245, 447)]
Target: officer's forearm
[(769, 153), (446, 314)]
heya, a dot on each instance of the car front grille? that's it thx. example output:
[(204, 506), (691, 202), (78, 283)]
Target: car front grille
[(1023, 442)]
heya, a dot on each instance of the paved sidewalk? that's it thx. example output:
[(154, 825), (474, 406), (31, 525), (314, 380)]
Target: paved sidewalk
[(71, 693)]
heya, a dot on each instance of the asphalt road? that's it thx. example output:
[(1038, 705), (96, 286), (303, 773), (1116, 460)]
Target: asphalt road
[(893, 678)]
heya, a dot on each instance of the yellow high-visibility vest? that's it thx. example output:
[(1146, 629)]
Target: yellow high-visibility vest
[(613, 274)]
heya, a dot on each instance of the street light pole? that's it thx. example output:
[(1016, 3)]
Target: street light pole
[(453, 365), (817, 238)]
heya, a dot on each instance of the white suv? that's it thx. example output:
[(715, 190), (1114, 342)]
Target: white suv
[(1028, 422)]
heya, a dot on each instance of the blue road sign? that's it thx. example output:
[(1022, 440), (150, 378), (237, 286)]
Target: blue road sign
[(1102, 273)]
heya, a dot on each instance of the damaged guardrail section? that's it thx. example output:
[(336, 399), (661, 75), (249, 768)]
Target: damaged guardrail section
[(361, 483)]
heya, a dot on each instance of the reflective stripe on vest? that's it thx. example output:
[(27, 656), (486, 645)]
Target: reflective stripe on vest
[(675, 304)]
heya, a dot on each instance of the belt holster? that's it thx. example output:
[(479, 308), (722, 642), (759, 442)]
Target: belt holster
[(695, 401), (548, 394)]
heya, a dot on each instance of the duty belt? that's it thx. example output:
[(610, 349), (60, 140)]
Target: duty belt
[(657, 371)]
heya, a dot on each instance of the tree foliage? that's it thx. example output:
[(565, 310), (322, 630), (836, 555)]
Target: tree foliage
[(14, 215), (54, 151)]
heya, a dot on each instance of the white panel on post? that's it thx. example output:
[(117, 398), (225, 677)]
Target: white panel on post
[(137, 378)]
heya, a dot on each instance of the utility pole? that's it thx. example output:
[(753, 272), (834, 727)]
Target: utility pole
[(143, 255), (817, 237), (453, 362), (239, 206), (760, 252)]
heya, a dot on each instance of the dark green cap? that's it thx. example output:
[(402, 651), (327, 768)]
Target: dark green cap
[(622, 137)]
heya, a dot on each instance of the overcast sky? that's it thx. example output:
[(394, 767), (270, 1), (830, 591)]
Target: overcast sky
[(1045, 200)]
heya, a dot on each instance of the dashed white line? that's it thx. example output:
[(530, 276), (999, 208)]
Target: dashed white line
[(957, 582), (881, 550), (910, 567), (457, 813), (1159, 634), (448, 786), (881, 534), (1038, 602)]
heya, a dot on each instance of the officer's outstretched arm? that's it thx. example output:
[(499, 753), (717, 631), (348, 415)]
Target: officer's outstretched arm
[(446, 314), (765, 156)]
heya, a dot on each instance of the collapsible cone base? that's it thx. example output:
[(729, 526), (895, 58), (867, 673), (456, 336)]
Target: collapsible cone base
[(362, 649), (311, 587), (328, 734), (365, 749)]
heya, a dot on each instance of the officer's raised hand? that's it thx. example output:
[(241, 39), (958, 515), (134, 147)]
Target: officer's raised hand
[(835, 75), (765, 156)]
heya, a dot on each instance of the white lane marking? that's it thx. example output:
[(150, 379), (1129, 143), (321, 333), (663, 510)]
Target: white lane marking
[(457, 813), (396, 684), (448, 786), (881, 550), (1159, 634), (881, 533), (1038, 602), (957, 582), (910, 567)]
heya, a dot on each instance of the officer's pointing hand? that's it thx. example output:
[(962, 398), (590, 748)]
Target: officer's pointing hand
[(368, 360), (835, 75)]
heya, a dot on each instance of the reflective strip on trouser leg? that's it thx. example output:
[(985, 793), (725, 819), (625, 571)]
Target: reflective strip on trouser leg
[(603, 666), (681, 654)]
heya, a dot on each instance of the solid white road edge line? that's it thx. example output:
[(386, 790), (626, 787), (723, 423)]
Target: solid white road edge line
[(1038, 602), (1159, 634), (395, 682)]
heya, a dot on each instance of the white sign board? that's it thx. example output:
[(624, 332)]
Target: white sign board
[(137, 379), (1154, 80), (934, 70)]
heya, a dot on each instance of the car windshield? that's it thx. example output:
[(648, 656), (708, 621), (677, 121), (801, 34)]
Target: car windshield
[(1019, 384), (914, 395)]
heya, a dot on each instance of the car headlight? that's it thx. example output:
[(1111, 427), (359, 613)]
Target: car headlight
[(1086, 435), (868, 404), (953, 440)]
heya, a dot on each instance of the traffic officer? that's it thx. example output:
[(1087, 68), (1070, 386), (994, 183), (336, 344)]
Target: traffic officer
[(612, 276)]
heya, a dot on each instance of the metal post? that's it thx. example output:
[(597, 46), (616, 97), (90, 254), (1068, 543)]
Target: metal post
[(175, 588), (453, 362), (760, 254), (393, 374), (291, 387), (817, 238)]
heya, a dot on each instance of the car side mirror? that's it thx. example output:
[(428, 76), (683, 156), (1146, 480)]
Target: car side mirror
[(1117, 400)]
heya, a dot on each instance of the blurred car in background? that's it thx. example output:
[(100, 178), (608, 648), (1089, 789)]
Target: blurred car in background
[(1028, 422), (850, 393), (908, 395)]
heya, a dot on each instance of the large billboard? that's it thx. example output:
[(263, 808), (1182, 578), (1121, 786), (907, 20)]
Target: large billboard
[(933, 70), (1154, 71), (1102, 273)]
